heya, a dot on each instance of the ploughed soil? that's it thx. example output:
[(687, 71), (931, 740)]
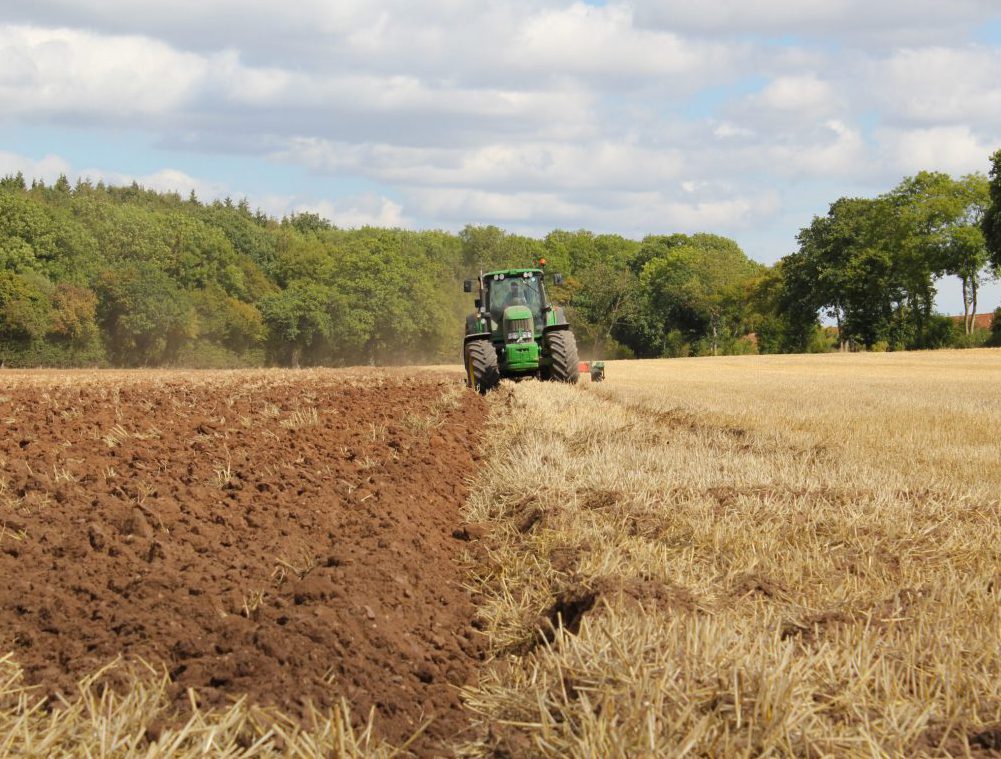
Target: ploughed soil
[(286, 535)]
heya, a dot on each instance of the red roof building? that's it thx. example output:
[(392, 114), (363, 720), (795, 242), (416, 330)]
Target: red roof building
[(980, 321)]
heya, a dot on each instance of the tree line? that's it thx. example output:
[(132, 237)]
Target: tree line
[(873, 264), (92, 274)]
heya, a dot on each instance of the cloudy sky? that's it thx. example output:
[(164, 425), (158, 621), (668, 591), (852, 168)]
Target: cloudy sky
[(741, 117)]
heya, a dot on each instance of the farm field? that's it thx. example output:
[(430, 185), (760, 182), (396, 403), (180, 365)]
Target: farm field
[(776, 555)]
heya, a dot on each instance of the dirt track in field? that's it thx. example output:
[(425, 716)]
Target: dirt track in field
[(283, 535)]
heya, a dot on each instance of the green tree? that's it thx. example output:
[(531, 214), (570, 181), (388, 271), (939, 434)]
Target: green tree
[(27, 236), (299, 256), (224, 320), (196, 255), (25, 306), (306, 223), (13, 182), (397, 295), (940, 220), (489, 247), (966, 257), (696, 288), (253, 238), (995, 338), (991, 224), (605, 300), (845, 268), (73, 315), (297, 318), (763, 311), (146, 317), (570, 252), (653, 246)]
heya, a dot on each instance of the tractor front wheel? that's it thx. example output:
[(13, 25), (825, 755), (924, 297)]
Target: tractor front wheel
[(562, 349), (482, 373)]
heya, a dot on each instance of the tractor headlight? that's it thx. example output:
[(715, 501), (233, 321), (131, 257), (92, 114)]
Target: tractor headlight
[(518, 336)]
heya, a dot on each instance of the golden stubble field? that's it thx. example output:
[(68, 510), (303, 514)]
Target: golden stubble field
[(788, 555)]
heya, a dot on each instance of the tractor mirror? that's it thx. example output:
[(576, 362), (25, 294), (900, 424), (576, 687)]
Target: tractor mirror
[(467, 286), (477, 303), (557, 279)]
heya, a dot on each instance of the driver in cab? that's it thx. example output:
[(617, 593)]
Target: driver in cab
[(516, 297)]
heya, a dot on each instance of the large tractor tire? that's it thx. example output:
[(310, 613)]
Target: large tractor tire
[(482, 373), (562, 349)]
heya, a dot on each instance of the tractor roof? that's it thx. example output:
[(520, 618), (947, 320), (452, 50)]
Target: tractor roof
[(512, 272)]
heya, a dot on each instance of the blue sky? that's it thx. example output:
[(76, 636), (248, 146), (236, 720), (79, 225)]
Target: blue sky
[(740, 117)]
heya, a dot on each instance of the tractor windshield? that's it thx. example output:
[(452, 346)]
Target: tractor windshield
[(515, 290)]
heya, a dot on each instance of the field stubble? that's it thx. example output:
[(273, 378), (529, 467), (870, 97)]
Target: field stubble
[(761, 555)]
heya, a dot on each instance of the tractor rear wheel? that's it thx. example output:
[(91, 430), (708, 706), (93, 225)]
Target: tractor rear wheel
[(562, 349), (482, 373)]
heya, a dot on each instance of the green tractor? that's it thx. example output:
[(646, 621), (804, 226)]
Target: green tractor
[(516, 332)]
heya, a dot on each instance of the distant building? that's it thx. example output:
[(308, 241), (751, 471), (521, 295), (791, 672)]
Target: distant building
[(980, 321)]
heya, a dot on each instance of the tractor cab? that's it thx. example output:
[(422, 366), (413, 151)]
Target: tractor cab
[(523, 289)]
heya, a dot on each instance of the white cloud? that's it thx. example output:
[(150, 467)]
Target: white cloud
[(736, 157), (520, 209), (173, 180), (796, 93), (728, 215), (64, 75), (368, 209), (634, 213), (885, 22), (218, 23), (48, 168), (841, 153), (69, 72), (604, 41), (937, 85), (725, 130), (953, 149), (789, 104), (588, 165)]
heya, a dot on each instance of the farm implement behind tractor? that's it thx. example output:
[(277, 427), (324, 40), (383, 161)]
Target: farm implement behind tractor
[(516, 331)]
